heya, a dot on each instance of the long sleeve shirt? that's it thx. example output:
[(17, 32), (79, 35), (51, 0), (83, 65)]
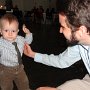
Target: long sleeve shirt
[(67, 58), (8, 54)]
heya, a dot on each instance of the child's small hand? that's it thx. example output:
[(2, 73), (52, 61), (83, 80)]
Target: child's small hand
[(25, 30)]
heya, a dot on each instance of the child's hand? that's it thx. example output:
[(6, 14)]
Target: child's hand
[(25, 30)]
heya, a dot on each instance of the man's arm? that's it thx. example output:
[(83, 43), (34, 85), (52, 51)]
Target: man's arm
[(63, 60)]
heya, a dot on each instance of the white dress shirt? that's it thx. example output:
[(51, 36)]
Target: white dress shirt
[(67, 58)]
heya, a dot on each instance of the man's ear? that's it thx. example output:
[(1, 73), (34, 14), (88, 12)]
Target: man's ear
[(83, 29)]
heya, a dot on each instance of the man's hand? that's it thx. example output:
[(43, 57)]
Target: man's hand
[(28, 51), (25, 30), (46, 88)]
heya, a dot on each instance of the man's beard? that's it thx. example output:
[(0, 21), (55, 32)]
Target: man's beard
[(73, 40), (72, 43)]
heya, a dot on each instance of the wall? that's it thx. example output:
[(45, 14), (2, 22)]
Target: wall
[(19, 3), (29, 4), (26, 5), (2, 3)]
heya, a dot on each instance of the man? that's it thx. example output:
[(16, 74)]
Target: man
[(75, 25)]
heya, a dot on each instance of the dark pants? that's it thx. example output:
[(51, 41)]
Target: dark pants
[(16, 74)]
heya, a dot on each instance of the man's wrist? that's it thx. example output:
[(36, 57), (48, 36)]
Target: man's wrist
[(33, 54)]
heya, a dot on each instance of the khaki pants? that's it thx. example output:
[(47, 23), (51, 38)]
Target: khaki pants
[(76, 84), (16, 74)]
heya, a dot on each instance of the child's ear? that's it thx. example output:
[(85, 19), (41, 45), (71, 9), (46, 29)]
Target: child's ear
[(0, 31), (18, 30)]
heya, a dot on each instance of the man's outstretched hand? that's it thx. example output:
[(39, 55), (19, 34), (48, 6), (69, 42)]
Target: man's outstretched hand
[(28, 51)]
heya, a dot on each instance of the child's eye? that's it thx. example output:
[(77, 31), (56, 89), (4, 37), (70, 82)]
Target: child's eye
[(6, 30), (10, 31), (13, 30)]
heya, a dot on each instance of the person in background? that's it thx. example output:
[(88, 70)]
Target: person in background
[(11, 66), (75, 25)]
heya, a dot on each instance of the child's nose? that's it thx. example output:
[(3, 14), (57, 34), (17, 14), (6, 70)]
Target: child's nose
[(10, 32)]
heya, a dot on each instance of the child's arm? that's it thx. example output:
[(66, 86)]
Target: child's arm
[(25, 30), (28, 37)]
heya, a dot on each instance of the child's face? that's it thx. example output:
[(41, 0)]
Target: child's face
[(9, 31)]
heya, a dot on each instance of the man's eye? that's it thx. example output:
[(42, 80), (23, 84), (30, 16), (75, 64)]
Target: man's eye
[(62, 27)]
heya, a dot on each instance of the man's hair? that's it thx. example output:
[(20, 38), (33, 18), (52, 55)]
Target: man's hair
[(78, 13), (9, 17)]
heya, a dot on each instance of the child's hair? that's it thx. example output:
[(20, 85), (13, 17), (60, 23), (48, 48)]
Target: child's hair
[(8, 17)]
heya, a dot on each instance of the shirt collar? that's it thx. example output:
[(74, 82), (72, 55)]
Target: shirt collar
[(86, 47)]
